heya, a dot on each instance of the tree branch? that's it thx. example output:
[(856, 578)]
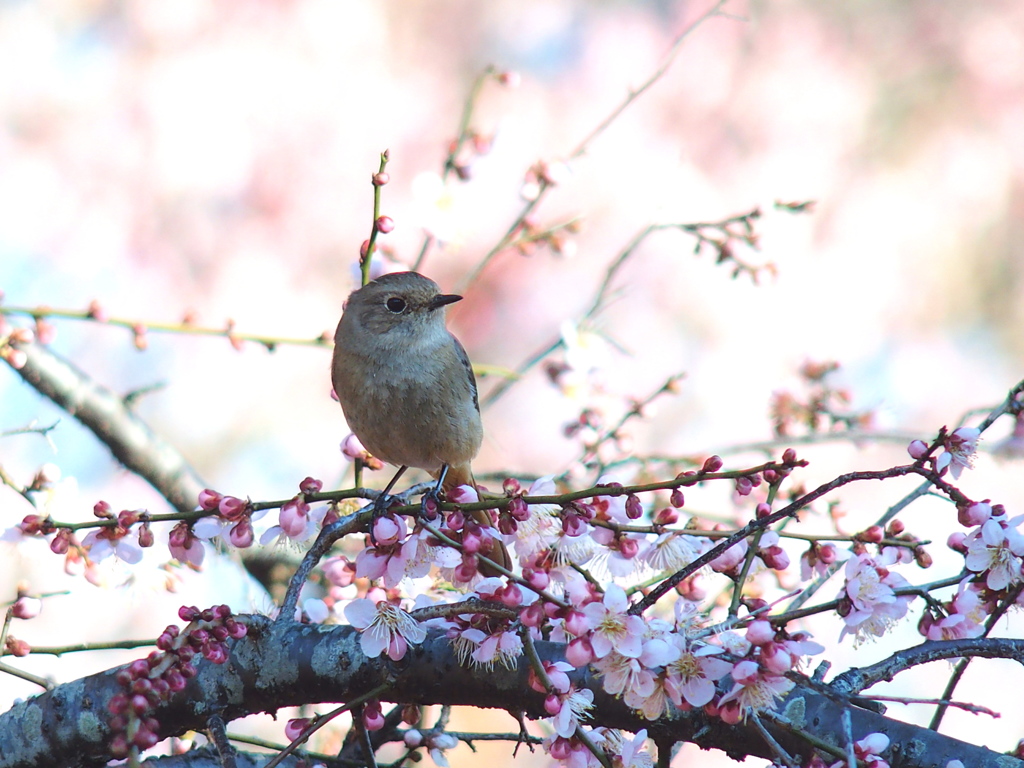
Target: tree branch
[(286, 664), (105, 414)]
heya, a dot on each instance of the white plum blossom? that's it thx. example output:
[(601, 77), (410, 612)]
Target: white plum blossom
[(996, 548), (384, 628), (628, 754), (960, 446), (614, 628), (692, 676), (576, 706), (870, 589)]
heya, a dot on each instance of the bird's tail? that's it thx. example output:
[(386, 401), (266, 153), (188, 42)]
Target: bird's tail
[(462, 474)]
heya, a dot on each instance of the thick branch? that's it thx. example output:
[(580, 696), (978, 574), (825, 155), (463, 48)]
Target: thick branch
[(280, 665), (105, 414)]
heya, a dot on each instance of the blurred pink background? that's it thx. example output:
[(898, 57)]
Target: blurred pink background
[(215, 157)]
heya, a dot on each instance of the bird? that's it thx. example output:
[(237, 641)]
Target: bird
[(407, 388)]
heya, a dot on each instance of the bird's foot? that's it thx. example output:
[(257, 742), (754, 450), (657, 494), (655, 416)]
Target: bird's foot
[(430, 504)]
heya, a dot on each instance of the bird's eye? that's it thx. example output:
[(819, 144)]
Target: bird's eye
[(395, 304)]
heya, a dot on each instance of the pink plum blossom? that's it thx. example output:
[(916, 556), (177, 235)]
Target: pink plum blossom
[(384, 628)]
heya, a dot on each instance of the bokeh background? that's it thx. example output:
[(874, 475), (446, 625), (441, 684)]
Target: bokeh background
[(166, 158)]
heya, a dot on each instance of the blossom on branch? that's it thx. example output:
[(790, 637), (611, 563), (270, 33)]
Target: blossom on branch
[(384, 628)]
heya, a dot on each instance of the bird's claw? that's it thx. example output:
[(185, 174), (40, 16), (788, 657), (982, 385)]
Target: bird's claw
[(430, 504)]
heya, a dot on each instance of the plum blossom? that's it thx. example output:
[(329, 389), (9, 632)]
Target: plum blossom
[(622, 554), (672, 551), (574, 707), (395, 556), (185, 547), (960, 447), (384, 628), (692, 676), (436, 744), (819, 560), (627, 754), (754, 690), (868, 751), (102, 543), (870, 594), (628, 678), (297, 522), (965, 615), (996, 548), (731, 557), (614, 628)]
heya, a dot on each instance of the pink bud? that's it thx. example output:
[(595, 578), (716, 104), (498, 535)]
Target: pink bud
[(629, 548), (532, 615), (729, 559), (976, 514), (775, 557), (292, 518), (471, 543), (760, 632), (380, 179), (61, 542), (676, 499), (956, 542), (744, 486), (537, 580), (209, 499), (386, 530), (777, 659), (666, 516), (560, 749), (511, 595), (917, 449), (579, 652), (294, 727), (373, 718), (712, 464), (241, 534), (873, 534), (576, 622), (730, 713), (26, 607), (311, 485), (231, 508), (385, 224), (634, 509), (552, 704), (518, 509)]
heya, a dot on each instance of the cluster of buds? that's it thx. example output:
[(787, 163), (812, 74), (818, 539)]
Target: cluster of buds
[(148, 682), (474, 540), (516, 512)]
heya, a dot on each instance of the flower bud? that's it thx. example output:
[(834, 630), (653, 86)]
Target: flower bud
[(712, 464)]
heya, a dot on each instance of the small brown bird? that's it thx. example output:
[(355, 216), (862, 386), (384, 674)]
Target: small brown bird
[(406, 385)]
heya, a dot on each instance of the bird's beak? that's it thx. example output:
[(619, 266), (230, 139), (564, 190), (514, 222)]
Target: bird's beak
[(443, 300)]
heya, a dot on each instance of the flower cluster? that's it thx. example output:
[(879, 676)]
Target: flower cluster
[(147, 682)]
